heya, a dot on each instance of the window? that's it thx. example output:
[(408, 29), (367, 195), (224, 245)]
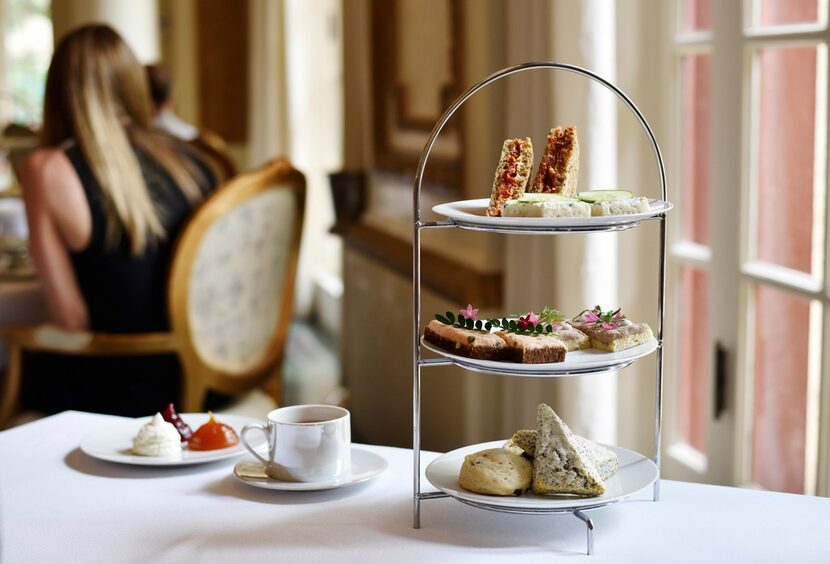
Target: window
[(27, 50), (748, 248)]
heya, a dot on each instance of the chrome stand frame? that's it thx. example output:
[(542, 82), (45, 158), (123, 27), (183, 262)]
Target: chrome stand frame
[(419, 225)]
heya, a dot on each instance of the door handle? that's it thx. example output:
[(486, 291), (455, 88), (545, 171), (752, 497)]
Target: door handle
[(720, 379)]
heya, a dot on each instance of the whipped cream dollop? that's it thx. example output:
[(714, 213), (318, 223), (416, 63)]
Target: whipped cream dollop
[(158, 438)]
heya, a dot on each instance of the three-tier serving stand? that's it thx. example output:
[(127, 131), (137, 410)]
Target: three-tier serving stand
[(553, 229)]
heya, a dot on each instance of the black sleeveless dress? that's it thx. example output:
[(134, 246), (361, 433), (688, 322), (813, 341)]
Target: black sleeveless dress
[(124, 293)]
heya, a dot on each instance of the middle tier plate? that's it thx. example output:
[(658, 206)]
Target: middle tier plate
[(586, 361)]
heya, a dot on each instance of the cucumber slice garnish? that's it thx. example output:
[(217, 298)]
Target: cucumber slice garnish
[(595, 196)]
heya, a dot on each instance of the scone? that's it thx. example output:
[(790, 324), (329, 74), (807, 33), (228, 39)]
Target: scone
[(525, 439), (605, 460), (496, 471), (561, 465)]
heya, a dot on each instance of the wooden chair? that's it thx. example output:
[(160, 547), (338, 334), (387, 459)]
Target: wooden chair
[(215, 150), (230, 294)]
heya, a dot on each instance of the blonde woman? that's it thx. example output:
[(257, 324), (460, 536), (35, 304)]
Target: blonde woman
[(106, 195)]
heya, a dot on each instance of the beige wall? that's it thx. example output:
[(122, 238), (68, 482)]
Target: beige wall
[(459, 407), (135, 20), (178, 53)]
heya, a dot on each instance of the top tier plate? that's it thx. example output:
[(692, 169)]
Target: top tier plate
[(469, 214)]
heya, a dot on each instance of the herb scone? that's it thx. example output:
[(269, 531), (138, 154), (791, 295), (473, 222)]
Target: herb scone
[(605, 460), (466, 342), (496, 471), (561, 464)]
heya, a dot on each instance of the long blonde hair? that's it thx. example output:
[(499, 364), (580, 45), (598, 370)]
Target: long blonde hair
[(97, 94)]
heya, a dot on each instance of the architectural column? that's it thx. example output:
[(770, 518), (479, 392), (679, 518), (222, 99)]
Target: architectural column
[(568, 272), (268, 104), (584, 34)]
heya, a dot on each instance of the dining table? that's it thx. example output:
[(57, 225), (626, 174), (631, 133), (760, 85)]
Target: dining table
[(59, 505)]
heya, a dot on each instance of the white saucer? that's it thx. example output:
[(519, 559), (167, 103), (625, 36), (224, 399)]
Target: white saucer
[(113, 442), (365, 465)]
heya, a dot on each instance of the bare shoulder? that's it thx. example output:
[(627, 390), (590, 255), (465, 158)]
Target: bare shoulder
[(44, 172), (53, 192)]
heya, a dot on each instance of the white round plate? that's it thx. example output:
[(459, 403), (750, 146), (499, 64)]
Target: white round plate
[(471, 213), (113, 442), (365, 465), (636, 472), (576, 362)]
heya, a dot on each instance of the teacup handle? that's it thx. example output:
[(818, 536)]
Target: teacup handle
[(254, 427)]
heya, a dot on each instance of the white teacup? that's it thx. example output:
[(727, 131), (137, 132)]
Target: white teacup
[(306, 443)]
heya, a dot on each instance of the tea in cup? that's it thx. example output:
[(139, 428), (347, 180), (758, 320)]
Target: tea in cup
[(306, 443)]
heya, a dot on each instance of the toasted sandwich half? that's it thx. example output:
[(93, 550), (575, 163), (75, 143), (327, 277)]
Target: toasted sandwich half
[(512, 174), (559, 168)]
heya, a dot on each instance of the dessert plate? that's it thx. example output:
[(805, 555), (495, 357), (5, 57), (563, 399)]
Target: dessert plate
[(365, 466), (470, 213), (576, 362), (636, 472), (113, 442)]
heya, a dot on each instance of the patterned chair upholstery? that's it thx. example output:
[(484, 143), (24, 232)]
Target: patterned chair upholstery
[(232, 280), (237, 280)]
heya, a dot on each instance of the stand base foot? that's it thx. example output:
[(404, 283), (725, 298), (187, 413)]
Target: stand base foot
[(589, 527)]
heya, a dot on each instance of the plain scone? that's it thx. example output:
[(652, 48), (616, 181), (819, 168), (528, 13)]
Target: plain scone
[(496, 471)]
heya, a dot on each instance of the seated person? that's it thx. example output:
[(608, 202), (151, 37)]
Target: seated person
[(207, 144), (106, 195), (161, 92)]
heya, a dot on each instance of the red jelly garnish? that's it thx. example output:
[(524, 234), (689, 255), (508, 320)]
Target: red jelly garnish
[(213, 435), (183, 428)]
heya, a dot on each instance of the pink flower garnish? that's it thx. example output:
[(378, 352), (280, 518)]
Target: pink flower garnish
[(468, 313), (532, 318), (620, 315), (590, 316), (608, 326)]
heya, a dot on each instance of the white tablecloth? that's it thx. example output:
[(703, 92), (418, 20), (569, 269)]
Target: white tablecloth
[(60, 506)]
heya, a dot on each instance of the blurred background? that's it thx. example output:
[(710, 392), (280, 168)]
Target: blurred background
[(349, 91)]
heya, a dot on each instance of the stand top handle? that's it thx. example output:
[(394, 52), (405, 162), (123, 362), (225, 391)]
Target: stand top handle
[(533, 65)]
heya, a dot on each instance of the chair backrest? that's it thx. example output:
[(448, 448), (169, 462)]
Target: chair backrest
[(215, 150), (232, 279)]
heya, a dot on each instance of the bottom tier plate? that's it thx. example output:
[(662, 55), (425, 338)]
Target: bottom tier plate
[(636, 472)]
